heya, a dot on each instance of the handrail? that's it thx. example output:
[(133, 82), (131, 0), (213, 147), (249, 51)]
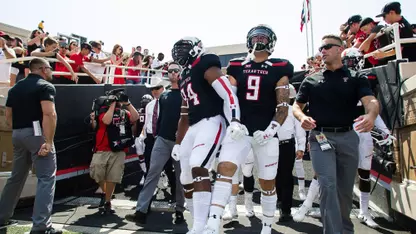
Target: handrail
[(396, 44), (110, 67)]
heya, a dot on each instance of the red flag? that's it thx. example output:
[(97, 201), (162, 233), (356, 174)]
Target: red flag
[(302, 17)]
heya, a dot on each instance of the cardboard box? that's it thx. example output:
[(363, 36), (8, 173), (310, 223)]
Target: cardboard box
[(6, 151)]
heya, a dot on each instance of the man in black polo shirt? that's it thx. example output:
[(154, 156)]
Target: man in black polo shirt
[(333, 95), (167, 125), (391, 13), (30, 109)]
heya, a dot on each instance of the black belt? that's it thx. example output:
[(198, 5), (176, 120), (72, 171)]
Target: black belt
[(286, 141), (333, 129)]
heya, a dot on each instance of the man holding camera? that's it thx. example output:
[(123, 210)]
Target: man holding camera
[(113, 137)]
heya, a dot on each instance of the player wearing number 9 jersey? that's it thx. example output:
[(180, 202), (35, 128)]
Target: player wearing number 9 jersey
[(262, 88), (207, 99)]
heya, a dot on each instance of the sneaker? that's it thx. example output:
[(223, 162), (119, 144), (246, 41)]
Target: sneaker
[(213, 225), (266, 229), (368, 220), (302, 195), (229, 214), (50, 230), (138, 217), (301, 213), (107, 209), (179, 217)]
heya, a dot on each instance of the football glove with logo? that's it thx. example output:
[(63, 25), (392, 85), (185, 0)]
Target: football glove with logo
[(262, 137), (237, 130)]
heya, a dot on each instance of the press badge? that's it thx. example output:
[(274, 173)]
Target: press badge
[(122, 129), (36, 128), (323, 142)]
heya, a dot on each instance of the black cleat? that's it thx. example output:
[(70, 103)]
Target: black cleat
[(179, 217), (138, 217)]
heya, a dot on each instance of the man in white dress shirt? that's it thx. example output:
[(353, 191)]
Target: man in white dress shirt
[(292, 141)]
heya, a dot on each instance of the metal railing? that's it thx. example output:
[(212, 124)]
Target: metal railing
[(110, 70), (396, 45)]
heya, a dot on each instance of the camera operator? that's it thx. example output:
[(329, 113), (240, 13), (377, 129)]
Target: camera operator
[(113, 137)]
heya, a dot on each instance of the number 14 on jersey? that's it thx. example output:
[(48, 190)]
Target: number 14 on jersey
[(190, 95)]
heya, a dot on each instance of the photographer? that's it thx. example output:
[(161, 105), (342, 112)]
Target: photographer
[(51, 50), (114, 120)]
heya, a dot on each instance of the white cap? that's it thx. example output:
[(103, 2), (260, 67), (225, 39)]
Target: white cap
[(157, 81)]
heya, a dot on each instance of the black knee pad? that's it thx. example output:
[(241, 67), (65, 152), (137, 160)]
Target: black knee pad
[(248, 184), (365, 183)]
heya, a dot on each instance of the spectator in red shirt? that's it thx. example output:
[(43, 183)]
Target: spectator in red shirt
[(60, 67), (78, 65), (117, 59), (134, 61), (371, 43), (355, 36)]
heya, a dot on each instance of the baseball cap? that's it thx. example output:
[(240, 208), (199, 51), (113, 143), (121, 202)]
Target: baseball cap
[(86, 46), (366, 21), (392, 6), (5, 36), (354, 19)]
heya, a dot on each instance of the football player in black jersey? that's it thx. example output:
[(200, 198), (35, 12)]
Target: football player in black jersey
[(207, 98), (262, 87), (353, 59)]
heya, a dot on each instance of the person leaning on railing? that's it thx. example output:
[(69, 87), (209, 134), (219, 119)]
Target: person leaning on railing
[(97, 56), (135, 60), (5, 53), (51, 50), (78, 65), (391, 13)]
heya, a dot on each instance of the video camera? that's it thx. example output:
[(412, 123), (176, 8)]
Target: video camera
[(103, 102)]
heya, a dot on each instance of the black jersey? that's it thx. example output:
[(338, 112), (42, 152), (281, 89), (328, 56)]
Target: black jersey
[(256, 84), (202, 99), (140, 122)]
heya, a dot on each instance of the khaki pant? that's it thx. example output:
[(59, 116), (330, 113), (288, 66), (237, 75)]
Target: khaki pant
[(107, 166)]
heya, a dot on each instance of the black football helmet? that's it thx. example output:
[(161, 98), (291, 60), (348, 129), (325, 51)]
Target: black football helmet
[(263, 37), (353, 59), (145, 100), (186, 50)]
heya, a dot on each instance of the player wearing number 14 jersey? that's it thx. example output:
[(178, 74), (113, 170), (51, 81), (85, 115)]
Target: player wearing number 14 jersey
[(262, 88), (207, 99)]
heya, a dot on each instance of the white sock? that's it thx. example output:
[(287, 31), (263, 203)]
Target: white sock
[(364, 199), (202, 201), (220, 196), (300, 173), (268, 205), (233, 203), (312, 193), (190, 205)]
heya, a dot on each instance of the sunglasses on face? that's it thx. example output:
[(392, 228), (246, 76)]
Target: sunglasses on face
[(175, 70), (327, 47)]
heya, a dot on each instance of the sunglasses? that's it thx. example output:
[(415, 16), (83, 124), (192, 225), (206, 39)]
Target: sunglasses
[(175, 70), (327, 47)]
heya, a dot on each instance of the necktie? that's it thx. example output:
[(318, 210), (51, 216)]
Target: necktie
[(154, 118)]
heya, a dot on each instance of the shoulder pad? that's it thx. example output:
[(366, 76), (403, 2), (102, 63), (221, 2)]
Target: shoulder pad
[(209, 60), (277, 62), (237, 62)]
